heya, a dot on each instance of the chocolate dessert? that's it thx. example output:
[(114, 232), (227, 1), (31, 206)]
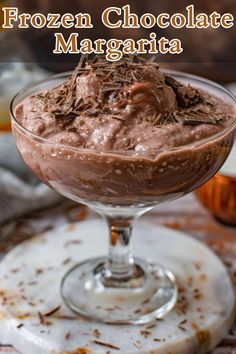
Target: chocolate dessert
[(124, 133)]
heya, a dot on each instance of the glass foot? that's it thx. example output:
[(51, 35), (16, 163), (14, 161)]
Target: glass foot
[(90, 290)]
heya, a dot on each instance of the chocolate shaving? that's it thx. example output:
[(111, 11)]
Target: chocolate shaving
[(104, 344), (186, 96), (182, 328), (67, 260), (20, 325), (196, 116), (96, 333), (180, 325), (150, 326), (41, 318), (145, 333), (118, 118), (194, 119), (72, 242), (50, 313), (67, 335), (40, 95), (169, 117)]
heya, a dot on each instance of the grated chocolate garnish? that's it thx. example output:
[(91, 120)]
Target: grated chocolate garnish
[(113, 77), (62, 100), (116, 80), (198, 115)]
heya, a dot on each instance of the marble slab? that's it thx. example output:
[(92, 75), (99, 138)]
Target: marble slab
[(34, 319)]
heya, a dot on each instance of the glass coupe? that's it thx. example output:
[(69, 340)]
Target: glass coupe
[(136, 290)]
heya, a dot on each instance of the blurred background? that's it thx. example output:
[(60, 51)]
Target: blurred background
[(27, 207), (209, 51), (27, 55)]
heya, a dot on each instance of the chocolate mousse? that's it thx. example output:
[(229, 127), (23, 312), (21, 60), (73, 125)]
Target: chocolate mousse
[(123, 133)]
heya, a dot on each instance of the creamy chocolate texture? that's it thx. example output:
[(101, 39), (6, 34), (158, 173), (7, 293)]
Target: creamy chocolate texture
[(125, 117)]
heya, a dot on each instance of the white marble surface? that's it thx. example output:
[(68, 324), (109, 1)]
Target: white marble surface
[(30, 279)]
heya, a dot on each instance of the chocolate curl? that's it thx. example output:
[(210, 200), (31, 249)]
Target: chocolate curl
[(186, 96)]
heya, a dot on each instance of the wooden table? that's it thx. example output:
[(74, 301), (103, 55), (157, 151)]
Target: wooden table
[(185, 214)]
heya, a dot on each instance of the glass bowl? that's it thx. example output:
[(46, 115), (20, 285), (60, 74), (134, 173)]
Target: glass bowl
[(121, 186)]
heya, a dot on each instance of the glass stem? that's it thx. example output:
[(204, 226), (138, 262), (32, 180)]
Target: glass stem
[(120, 259)]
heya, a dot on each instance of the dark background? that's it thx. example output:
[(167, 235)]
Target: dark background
[(208, 52)]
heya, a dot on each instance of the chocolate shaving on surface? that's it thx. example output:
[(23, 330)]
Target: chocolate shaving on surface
[(39, 271), (67, 335), (104, 344), (20, 325), (67, 260), (96, 333), (150, 326), (41, 318), (51, 312), (145, 333)]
